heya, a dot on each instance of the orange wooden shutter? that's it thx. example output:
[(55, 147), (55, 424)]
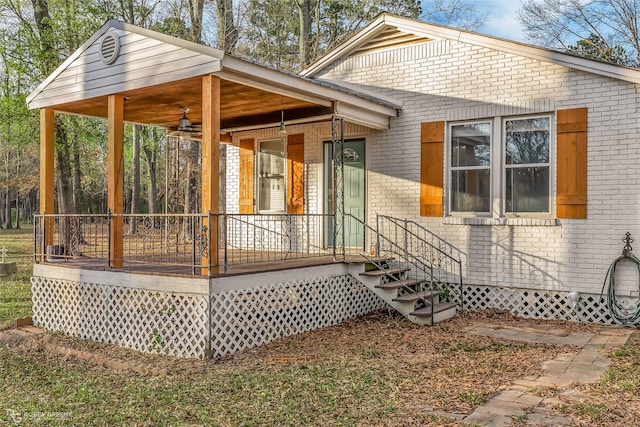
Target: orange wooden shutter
[(571, 195), (431, 168), (246, 199), (295, 174)]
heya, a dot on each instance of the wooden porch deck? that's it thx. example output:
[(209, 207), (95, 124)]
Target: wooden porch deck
[(166, 269)]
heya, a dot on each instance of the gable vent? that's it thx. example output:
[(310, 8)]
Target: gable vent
[(109, 48)]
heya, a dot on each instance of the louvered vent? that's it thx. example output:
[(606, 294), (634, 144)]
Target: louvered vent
[(109, 48)]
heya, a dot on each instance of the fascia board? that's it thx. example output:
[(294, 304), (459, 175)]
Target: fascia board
[(112, 23), (428, 30), (355, 114), (520, 49), (295, 85), (353, 43), (109, 24)]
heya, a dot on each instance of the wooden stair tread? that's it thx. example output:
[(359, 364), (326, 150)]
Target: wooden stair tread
[(426, 311), (415, 296), (366, 259), (379, 273), (399, 284)]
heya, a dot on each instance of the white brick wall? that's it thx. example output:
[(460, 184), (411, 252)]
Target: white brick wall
[(468, 82), (450, 81)]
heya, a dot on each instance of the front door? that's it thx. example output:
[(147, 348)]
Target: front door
[(354, 191)]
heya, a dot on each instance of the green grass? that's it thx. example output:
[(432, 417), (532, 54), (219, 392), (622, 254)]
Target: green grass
[(320, 393), (15, 294)]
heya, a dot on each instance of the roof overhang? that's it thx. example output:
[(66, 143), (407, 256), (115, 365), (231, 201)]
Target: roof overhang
[(159, 75), (428, 31)]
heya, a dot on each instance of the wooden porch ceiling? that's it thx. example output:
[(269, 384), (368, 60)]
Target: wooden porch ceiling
[(161, 105)]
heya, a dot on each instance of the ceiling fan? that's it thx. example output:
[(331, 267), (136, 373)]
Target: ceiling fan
[(185, 129)]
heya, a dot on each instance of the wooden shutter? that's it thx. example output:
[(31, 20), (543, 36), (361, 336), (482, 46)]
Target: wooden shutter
[(247, 161), (431, 168), (295, 174), (571, 180)]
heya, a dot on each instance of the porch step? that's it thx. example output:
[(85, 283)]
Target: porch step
[(389, 271), (397, 284), (415, 296), (438, 308)]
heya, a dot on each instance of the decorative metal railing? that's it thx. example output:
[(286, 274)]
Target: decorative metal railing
[(424, 250), (182, 240), (256, 238), (176, 240)]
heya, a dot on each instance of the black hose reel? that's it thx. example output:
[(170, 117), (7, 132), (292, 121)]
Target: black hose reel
[(622, 315)]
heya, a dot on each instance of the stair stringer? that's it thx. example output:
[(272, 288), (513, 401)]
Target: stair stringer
[(387, 295)]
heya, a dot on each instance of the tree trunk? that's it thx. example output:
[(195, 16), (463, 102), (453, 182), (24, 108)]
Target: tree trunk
[(17, 210), (304, 41), (78, 199), (227, 30), (69, 231), (152, 166), (196, 9), (8, 222), (135, 191)]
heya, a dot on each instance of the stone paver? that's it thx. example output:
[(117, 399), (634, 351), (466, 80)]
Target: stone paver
[(583, 366)]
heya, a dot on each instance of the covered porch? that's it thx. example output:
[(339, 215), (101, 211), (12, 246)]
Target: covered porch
[(128, 74)]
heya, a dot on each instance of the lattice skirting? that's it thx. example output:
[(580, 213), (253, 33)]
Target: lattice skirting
[(245, 318), (538, 304), (148, 321), (178, 324)]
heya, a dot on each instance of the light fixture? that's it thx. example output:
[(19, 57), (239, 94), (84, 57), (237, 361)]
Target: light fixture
[(283, 128), (184, 124)]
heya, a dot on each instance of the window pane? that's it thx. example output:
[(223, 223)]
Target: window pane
[(271, 187), (527, 141), (470, 191), (527, 189), (470, 144)]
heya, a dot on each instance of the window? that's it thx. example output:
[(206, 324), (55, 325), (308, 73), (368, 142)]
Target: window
[(527, 165), (271, 176), (500, 167), (471, 167)]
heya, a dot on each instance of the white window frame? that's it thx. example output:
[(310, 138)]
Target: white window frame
[(498, 168), (259, 178), (505, 166), (450, 169)]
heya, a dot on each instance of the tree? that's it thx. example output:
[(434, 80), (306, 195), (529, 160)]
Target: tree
[(289, 34), (594, 47), (227, 30), (599, 27)]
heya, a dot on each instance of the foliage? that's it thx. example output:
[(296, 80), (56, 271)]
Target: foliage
[(36, 36), (15, 294), (594, 47), (604, 29)]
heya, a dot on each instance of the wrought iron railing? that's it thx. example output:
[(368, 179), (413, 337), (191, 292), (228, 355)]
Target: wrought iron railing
[(181, 240), (423, 249), (173, 240), (257, 238)]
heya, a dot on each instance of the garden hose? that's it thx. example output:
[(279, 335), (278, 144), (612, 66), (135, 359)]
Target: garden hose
[(621, 315)]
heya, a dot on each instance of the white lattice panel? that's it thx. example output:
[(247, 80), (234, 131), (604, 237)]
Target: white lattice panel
[(246, 318), (149, 321), (536, 303)]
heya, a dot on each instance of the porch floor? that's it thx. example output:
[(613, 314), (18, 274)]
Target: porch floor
[(165, 269)]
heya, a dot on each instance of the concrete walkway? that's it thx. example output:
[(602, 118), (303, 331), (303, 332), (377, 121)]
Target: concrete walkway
[(514, 403)]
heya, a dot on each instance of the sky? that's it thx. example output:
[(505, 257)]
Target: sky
[(502, 20)]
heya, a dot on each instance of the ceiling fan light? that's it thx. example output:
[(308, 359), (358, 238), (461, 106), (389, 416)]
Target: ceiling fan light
[(184, 124)]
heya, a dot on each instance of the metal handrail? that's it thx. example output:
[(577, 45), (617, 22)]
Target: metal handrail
[(415, 233)]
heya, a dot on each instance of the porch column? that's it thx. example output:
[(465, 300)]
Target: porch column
[(47, 175), (115, 177), (211, 169)]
